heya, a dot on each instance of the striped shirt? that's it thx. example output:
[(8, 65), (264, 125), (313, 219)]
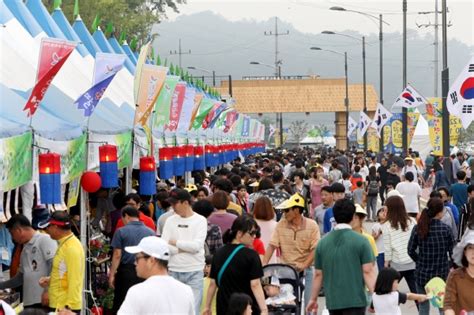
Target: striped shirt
[(396, 243)]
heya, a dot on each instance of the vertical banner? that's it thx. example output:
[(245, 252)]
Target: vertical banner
[(434, 118), (387, 137), (163, 103), (151, 82), (373, 140), (412, 119), (204, 108), (144, 51), (397, 128), (176, 106), (53, 55), (187, 109), (73, 192), (15, 161)]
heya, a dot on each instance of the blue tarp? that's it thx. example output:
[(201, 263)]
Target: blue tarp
[(63, 24), (21, 13)]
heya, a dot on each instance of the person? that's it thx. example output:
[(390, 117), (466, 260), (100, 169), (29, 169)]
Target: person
[(372, 191), (186, 233), (459, 191), (430, 246), (338, 192), (135, 201), (214, 234), (242, 197), (441, 179), (315, 184), (460, 283), (159, 293), (344, 261), (265, 217), (377, 234), (162, 206), (392, 175), (203, 193), (68, 270), (223, 184), (221, 217), (320, 211), (278, 293), (356, 177), (410, 167), (301, 188), (36, 260), (357, 226), (457, 161), (296, 237), (346, 181), (396, 234), (411, 192), (358, 193), (206, 283), (382, 172), (239, 304), (386, 298), (122, 273), (237, 268), (448, 214)]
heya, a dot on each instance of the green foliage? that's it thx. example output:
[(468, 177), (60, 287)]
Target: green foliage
[(158, 60), (134, 17), (171, 69)]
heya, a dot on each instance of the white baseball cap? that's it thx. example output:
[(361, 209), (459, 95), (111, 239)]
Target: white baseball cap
[(153, 246)]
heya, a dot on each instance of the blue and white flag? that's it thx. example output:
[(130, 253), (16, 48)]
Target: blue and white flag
[(105, 68), (381, 117), (364, 123), (352, 125), (410, 98)]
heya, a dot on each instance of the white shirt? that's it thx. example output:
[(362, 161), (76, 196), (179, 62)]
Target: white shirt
[(158, 295), (387, 304), (412, 169), (377, 227), (364, 172), (190, 234), (411, 191)]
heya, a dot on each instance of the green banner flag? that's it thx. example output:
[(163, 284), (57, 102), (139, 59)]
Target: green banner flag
[(163, 103), (95, 23), (15, 161), (204, 108), (76, 8), (57, 4)]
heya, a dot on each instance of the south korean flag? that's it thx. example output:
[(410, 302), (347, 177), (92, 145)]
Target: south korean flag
[(410, 98), (460, 100), (381, 117), (352, 125), (364, 123)]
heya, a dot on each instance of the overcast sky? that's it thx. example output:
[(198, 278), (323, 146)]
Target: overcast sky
[(315, 16)]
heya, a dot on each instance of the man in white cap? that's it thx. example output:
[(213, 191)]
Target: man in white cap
[(159, 293)]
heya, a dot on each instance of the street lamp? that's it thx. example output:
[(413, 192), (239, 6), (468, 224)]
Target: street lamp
[(363, 71), (207, 71), (381, 21), (346, 100), (279, 116)]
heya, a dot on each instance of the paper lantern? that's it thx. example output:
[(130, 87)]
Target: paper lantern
[(189, 157), (90, 182), (49, 166), (147, 184), (108, 165), (179, 166), (199, 159), (166, 162), (209, 157)]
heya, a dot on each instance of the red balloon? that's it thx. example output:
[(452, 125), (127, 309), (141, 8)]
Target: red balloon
[(90, 182)]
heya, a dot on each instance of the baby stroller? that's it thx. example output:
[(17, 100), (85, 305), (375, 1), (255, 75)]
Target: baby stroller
[(286, 275)]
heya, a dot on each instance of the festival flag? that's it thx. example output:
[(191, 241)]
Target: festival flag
[(187, 110), (138, 70), (197, 102), (460, 100), (76, 9), (163, 103), (53, 55), (151, 83), (246, 127), (410, 98), (272, 130), (176, 106), (220, 110), (382, 116), (231, 117), (204, 108), (105, 68), (95, 23), (352, 125), (364, 123)]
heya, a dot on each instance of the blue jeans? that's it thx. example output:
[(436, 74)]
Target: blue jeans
[(380, 261), (424, 308), (308, 284), (195, 280)]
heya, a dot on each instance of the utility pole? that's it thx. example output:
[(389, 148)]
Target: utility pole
[(279, 116), (445, 79), (364, 78), (404, 110), (381, 146), (180, 52)]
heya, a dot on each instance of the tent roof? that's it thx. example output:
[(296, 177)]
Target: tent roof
[(43, 18), (129, 53), (118, 49), (66, 28), (85, 36), (23, 15)]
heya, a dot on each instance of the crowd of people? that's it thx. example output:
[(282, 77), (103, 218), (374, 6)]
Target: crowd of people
[(351, 224)]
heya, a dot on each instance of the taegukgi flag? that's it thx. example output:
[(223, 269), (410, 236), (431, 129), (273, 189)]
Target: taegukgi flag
[(382, 116), (352, 125), (105, 68), (460, 100), (53, 55), (410, 98), (364, 123)]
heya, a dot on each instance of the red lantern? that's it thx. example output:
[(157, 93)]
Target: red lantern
[(198, 151), (49, 163), (108, 153), (147, 164), (90, 182), (166, 154), (189, 150)]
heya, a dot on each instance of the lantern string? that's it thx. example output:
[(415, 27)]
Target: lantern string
[(42, 148)]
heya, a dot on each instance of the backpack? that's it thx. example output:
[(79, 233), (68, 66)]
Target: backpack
[(373, 188)]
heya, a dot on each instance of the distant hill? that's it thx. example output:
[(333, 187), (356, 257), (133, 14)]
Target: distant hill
[(227, 47)]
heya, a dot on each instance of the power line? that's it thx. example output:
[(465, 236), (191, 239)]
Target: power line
[(180, 52)]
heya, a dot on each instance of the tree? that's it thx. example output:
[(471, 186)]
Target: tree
[(298, 130), (134, 18)]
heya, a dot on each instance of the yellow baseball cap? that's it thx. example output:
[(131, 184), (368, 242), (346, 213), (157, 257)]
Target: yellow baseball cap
[(295, 201), (191, 187)]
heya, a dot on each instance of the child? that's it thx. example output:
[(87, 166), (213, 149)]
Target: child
[(207, 282), (278, 294), (386, 298), (346, 181), (358, 194), (378, 236)]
